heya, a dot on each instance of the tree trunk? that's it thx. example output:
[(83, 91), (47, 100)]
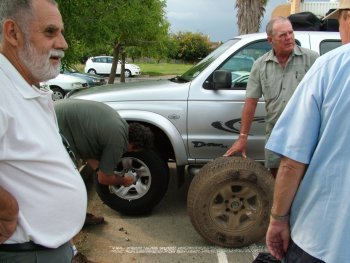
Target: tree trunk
[(249, 15), (122, 71), (114, 63)]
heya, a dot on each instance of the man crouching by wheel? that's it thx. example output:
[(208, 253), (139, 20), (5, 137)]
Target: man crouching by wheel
[(95, 135)]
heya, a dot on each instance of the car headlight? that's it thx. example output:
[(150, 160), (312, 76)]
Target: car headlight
[(77, 85)]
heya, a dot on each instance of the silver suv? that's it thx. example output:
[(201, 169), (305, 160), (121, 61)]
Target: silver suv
[(195, 117)]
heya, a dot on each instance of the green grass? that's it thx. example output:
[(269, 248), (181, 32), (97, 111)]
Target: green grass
[(160, 69), (155, 69)]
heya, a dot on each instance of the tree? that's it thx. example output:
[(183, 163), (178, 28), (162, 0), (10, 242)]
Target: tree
[(110, 25), (249, 15), (190, 46)]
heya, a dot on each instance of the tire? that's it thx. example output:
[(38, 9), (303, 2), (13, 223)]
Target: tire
[(229, 201), (57, 93), (127, 73), (92, 71), (150, 187)]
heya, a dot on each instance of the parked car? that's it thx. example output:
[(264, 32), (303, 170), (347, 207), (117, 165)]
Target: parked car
[(92, 79), (102, 65), (195, 118), (64, 83)]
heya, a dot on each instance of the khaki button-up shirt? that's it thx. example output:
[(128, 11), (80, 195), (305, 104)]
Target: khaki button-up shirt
[(278, 84)]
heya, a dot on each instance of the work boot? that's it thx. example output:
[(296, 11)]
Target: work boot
[(91, 219)]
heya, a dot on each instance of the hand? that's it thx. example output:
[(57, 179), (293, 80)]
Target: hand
[(239, 146), (127, 181), (277, 238), (7, 228), (8, 215)]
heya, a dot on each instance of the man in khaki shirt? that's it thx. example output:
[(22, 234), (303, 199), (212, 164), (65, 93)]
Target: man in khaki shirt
[(275, 75)]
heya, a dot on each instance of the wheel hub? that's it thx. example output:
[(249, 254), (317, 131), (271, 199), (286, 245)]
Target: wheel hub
[(132, 173), (236, 205), (138, 170)]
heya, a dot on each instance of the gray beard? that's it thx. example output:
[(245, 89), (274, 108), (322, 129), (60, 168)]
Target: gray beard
[(38, 63)]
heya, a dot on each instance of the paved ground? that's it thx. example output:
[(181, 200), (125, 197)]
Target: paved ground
[(165, 236)]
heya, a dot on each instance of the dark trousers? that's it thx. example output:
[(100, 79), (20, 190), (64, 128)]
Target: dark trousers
[(62, 254), (296, 255)]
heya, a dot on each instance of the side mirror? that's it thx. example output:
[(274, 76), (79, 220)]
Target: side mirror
[(222, 79)]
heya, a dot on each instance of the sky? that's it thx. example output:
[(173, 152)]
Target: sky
[(216, 18)]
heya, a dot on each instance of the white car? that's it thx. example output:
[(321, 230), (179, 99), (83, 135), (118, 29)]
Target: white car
[(102, 65), (64, 83)]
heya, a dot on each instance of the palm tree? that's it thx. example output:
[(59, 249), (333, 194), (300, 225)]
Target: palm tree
[(249, 15)]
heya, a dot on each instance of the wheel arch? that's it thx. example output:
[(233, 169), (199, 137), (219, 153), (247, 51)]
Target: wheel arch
[(130, 73), (167, 137), (57, 87), (93, 69)]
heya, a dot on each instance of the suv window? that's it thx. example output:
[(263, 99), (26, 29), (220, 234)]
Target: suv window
[(328, 45), (197, 69), (241, 62)]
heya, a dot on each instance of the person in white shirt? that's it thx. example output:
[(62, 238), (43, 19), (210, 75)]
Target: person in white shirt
[(42, 196)]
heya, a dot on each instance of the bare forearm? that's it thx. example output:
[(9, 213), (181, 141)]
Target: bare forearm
[(287, 182), (8, 215), (240, 145), (107, 179), (8, 206), (248, 114), (288, 179)]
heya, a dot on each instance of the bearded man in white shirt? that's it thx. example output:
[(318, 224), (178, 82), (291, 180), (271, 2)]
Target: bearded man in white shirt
[(42, 197)]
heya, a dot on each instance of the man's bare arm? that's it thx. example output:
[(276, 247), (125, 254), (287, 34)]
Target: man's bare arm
[(110, 179), (248, 112), (8, 215), (288, 178), (289, 175)]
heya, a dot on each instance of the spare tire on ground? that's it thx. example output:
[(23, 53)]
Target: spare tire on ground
[(229, 201)]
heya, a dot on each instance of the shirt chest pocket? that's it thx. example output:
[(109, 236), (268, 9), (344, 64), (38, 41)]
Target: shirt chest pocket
[(270, 88)]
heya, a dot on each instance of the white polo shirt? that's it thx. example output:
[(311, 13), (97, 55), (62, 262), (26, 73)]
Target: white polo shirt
[(34, 166)]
